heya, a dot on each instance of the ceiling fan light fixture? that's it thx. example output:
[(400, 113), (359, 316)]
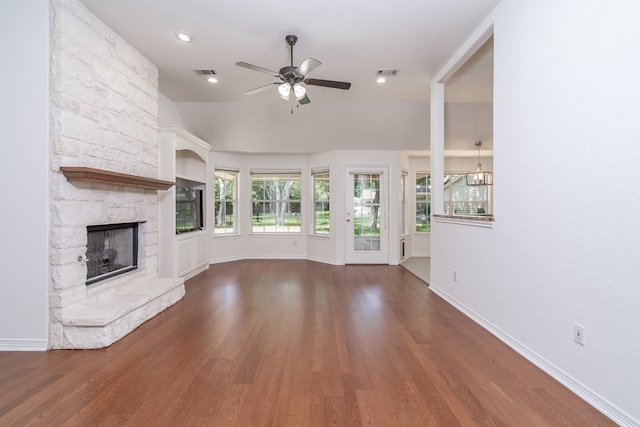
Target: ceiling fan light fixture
[(284, 89), (293, 79), (299, 91)]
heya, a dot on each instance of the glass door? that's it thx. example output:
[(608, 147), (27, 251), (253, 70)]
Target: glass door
[(366, 216)]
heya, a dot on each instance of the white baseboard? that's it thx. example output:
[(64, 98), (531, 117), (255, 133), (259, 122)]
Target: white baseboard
[(195, 272), (323, 260), (308, 258), (610, 410), (23, 345), (226, 259)]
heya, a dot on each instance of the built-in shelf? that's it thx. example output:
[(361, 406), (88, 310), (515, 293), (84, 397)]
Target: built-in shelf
[(80, 173)]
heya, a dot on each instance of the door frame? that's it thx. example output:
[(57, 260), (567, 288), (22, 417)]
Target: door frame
[(367, 257)]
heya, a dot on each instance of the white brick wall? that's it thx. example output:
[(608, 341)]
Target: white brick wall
[(104, 109)]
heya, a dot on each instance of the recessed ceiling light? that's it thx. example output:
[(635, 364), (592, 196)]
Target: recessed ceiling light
[(212, 80), (185, 37), (381, 80)]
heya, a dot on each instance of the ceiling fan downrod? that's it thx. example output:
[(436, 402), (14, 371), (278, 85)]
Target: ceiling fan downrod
[(291, 40)]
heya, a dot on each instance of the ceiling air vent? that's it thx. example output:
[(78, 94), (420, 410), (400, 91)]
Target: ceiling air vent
[(205, 72), (387, 73)]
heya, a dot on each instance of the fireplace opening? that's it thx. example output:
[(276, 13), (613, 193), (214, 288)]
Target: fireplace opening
[(112, 249)]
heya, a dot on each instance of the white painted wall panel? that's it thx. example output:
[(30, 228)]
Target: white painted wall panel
[(24, 109), (564, 247)]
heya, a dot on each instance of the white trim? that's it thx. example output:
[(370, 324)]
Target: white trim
[(23, 345), (225, 259), (275, 171), (323, 260), (188, 141), (616, 414), (481, 34), (320, 170), (226, 169), (483, 223), (366, 171), (258, 234)]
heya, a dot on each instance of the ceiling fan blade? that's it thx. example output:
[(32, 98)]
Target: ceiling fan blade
[(328, 83), (306, 67), (304, 100), (256, 68), (261, 88)]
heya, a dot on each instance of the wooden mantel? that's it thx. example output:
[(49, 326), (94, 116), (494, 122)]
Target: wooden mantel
[(79, 173)]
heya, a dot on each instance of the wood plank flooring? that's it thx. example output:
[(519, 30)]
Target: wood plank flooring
[(292, 343)]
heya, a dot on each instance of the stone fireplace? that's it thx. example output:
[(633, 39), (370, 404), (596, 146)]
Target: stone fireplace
[(103, 166), (93, 309)]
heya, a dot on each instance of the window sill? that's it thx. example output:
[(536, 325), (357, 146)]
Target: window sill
[(223, 235), (320, 236), (296, 234), (486, 221)]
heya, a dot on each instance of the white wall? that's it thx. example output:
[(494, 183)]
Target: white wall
[(268, 127), (564, 248), (168, 114), (24, 84)]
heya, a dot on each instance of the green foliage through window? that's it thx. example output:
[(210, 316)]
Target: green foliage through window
[(226, 202), (321, 193), (423, 202), (276, 203)]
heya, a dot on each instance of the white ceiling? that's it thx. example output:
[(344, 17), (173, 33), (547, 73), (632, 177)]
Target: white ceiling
[(352, 38)]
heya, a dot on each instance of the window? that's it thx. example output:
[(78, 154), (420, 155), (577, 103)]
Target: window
[(423, 202), (461, 199), (189, 206), (321, 193), (403, 200), (276, 202), (226, 201)]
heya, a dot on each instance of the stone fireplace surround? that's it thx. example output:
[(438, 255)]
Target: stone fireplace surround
[(104, 127), (97, 315)]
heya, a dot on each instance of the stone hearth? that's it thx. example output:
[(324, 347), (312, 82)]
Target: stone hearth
[(99, 322)]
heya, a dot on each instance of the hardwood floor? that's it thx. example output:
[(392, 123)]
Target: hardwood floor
[(292, 343)]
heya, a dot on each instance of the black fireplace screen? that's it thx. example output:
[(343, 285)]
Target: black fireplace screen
[(111, 250)]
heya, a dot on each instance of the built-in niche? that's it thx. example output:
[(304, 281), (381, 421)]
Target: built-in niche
[(184, 224), (190, 203)]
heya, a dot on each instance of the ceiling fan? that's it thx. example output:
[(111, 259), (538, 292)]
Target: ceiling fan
[(292, 79)]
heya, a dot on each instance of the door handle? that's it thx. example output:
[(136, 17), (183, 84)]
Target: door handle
[(348, 219)]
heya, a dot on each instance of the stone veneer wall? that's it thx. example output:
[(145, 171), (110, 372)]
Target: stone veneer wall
[(104, 109)]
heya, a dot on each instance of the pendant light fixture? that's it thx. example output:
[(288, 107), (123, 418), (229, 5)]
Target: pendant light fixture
[(479, 177)]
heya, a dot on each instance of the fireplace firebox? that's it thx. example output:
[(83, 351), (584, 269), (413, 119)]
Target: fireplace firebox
[(112, 249)]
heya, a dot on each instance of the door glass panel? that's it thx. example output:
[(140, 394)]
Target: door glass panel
[(366, 212)]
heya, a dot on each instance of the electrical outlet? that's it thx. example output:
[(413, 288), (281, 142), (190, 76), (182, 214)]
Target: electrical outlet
[(578, 334), (455, 275)]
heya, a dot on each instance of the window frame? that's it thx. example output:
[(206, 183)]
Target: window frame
[(275, 175), (404, 225), (426, 202), (235, 173), (324, 174), (449, 201)]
